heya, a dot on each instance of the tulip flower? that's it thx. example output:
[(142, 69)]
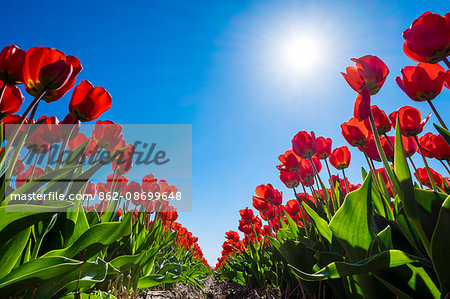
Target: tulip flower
[(11, 101), (304, 144), (292, 207), (290, 179), (370, 70), (77, 141), (361, 110), (90, 189), (149, 184), (423, 83), (260, 204), (381, 120), (323, 147), (427, 145), (427, 40), (340, 157), (355, 132), (411, 122), (307, 171), (91, 148), (290, 161), (422, 175), (89, 102), (409, 146), (124, 161), (31, 174), (50, 71), (49, 130), (70, 126), (268, 194), (247, 215), (107, 134), (12, 60), (441, 149)]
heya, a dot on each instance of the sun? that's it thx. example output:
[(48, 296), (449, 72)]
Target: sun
[(297, 54)]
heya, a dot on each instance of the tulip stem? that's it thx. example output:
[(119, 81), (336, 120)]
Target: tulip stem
[(336, 202), (445, 166), (2, 91), (433, 185), (437, 114), (63, 148), (415, 170), (386, 165), (346, 183), (301, 211), (447, 63), (323, 186)]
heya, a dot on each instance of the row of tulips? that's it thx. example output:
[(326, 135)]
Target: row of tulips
[(71, 249), (386, 238)]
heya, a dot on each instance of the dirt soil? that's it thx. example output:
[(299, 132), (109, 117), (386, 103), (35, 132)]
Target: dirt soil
[(214, 289)]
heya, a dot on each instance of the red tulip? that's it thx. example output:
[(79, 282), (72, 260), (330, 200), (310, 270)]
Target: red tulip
[(124, 161), (247, 215), (19, 166), (50, 70), (422, 176), (307, 171), (89, 102), (381, 120), (107, 134), (304, 144), (427, 40), (290, 179), (49, 130), (69, 126), (340, 157), (362, 104), (409, 146), (411, 122), (11, 100), (370, 70), (292, 207), (323, 147), (31, 174), (423, 82), (12, 60), (372, 151), (290, 161), (269, 214), (355, 132), (91, 148), (441, 148), (90, 189), (76, 142), (260, 204), (149, 184), (36, 144), (426, 144), (268, 194)]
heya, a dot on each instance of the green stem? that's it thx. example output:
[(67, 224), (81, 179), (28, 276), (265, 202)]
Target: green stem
[(346, 183), (415, 170), (430, 176), (437, 114), (445, 166), (2, 91)]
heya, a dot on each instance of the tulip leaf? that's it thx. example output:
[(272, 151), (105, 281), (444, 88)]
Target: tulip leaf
[(384, 260), (14, 220), (352, 223), (320, 223), (440, 244), (404, 176), (444, 132), (95, 239), (11, 251), (35, 272)]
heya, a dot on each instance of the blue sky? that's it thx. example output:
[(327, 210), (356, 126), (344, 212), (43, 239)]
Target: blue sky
[(211, 64)]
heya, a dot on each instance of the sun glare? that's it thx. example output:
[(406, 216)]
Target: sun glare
[(298, 54)]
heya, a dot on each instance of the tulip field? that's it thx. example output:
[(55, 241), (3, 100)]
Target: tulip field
[(386, 235)]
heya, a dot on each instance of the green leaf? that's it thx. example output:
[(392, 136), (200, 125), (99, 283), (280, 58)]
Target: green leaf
[(444, 132), (384, 260), (95, 239), (352, 223), (11, 251), (35, 272), (12, 220), (320, 223), (440, 245), (404, 176)]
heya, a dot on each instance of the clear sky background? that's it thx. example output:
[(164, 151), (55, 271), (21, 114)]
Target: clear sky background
[(215, 65)]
